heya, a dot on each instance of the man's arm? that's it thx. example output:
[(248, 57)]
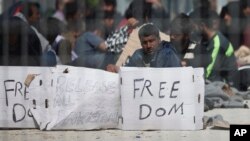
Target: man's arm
[(174, 60), (96, 41), (102, 47), (170, 56)]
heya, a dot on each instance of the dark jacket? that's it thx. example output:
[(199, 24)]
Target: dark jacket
[(222, 63), (165, 56), (19, 44)]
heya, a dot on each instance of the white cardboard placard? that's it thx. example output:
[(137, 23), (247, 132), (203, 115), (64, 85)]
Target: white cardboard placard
[(199, 96), (15, 97), (160, 99), (83, 99), (86, 99)]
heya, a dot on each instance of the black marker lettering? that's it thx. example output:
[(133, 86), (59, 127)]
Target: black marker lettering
[(18, 88), (147, 86), (174, 107), (141, 111), (7, 90), (161, 88), (14, 112), (158, 111), (174, 89), (136, 89)]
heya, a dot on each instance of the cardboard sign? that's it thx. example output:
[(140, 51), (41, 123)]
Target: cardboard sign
[(15, 97), (83, 99), (199, 83), (43, 88), (161, 99)]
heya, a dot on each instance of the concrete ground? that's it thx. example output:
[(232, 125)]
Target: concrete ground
[(233, 116)]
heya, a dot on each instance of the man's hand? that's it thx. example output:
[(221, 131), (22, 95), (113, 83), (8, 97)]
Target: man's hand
[(112, 68), (183, 63), (132, 22)]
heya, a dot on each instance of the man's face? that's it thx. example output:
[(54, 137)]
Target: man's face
[(149, 43), (34, 18), (108, 7), (247, 12), (228, 19), (179, 40), (109, 22)]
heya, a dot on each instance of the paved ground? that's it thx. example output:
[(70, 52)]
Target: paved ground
[(233, 116)]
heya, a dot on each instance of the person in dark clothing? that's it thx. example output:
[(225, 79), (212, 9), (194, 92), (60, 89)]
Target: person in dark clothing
[(181, 36), (111, 17), (72, 11), (235, 23), (52, 28), (11, 10), (154, 52), (147, 11), (91, 49), (19, 44), (160, 16), (31, 11), (180, 30), (219, 51)]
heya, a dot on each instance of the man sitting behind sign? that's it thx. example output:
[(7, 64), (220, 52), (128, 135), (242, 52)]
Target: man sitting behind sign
[(154, 52)]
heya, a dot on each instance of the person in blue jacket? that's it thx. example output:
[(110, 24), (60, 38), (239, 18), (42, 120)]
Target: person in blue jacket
[(154, 52)]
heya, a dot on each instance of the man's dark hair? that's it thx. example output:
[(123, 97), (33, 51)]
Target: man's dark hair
[(109, 15), (52, 28), (71, 9), (181, 24), (57, 3), (27, 11), (110, 2), (149, 29), (139, 9), (204, 16), (244, 4)]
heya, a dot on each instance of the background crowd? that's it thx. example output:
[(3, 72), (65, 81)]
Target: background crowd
[(93, 33)]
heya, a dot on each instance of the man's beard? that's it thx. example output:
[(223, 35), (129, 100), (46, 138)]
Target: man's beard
[(148, 57)]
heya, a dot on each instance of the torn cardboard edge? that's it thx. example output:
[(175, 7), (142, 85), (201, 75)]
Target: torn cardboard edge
[(29, 79)]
